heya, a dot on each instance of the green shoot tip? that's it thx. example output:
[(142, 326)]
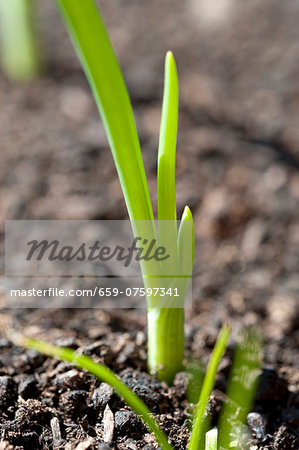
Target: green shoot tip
[(170, 61), (187, 214)]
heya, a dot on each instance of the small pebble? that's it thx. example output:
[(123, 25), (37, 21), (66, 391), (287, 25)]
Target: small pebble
[(257, 425), (102, 395), (71, 379), (130, 444), (28, 387), (125, 421), (147, 388), (74, 402), (4, 343), (8, 391), (66, 342)]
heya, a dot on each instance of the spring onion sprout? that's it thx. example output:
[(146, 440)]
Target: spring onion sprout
[(93, 46)]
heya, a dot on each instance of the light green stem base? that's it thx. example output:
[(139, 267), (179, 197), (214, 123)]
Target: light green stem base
[(19, 47), (166, 342)]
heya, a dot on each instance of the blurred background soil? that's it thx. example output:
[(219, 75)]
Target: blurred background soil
[(237, 161)]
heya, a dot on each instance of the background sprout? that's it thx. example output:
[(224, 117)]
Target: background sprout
[(21, 60), (201, 423), (242, 386), (91, 41)]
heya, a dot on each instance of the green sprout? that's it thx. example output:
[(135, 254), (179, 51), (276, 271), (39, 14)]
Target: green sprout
[(200, 422), (242, 386), (211, 439), (19, 48), (92, 43)]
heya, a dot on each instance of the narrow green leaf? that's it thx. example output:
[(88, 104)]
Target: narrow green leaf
[(194, 367), (98, 59), (186, 240), (166, 161), (167, 142), (185, 251), (198, 429), (104, 374)]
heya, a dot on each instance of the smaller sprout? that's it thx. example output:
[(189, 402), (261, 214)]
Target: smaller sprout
[(211, 439)]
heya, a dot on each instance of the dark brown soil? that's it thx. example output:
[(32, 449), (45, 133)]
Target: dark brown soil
[(39, 395), (237, 168)]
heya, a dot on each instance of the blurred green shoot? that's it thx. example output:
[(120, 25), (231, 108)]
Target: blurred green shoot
[(195, 369), (200, 423), (21, 59), (242, 386)]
